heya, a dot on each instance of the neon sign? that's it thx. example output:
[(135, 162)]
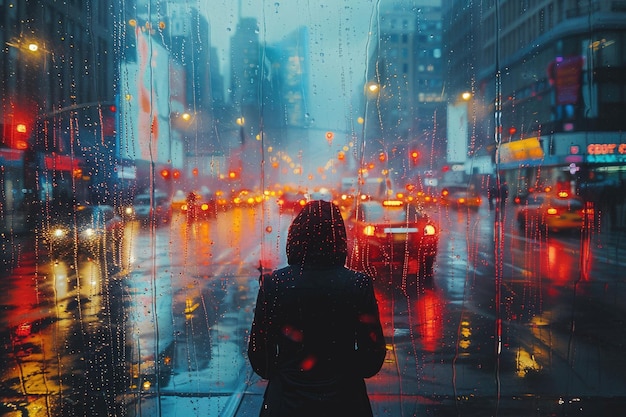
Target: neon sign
[(606, 152)]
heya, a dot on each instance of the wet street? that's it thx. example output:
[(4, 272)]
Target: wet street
[(512, 322)]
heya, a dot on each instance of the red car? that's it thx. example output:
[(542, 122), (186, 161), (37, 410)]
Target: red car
[(385, 235), (292, 201)]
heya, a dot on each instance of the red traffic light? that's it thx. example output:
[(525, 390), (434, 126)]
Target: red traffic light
[(15, 135), (415, 156), (165, 173)]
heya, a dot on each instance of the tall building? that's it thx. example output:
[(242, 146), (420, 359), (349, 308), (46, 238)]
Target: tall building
[(288, 82), (246, 75), (407, 109), (53, 57), (555, 70), (58, 60)]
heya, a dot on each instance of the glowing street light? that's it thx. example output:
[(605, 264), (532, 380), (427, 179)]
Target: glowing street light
[(372, 89)]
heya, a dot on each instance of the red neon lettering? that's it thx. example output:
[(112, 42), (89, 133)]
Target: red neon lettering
[(601, 148)]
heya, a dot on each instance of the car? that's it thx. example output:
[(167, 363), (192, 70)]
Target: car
[(422, 198), (385, 235), (558, 211), (149, 208), (179, 199), (292, 201), (247, 198), (462, 199), (92, 230), (199, 204), (459, 196)]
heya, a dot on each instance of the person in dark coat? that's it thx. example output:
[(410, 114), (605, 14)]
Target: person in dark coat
[(316, 332)]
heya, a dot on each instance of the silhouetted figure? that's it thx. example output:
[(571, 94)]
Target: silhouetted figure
[(192, 206), (492, 191), (504, 194), (316, 332)]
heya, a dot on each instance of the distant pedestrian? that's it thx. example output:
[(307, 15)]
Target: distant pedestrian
[(504, 194), (316, 332), (492, 191)]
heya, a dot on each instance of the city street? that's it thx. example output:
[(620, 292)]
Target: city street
[(520, 326)]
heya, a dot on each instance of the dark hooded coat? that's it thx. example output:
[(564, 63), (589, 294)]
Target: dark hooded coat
[(316, 332)]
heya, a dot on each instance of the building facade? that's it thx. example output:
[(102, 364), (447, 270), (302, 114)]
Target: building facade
[(406, 113), (553, 73)]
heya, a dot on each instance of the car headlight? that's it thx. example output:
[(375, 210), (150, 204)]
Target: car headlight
[(369, 230), (429, 230), (59, 232), (89, 232)]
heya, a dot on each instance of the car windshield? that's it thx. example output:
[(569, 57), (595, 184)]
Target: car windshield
[(143, 200), (155, 153), (570, 203), (537, 199), (378, 213), (89, 215)]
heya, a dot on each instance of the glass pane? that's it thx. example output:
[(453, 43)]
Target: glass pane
[(166, 174)]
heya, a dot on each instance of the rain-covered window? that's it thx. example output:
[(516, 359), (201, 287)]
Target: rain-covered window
[(155, 153)]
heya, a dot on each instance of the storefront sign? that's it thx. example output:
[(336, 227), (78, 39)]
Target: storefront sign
[(565, 74), (57, 162), (606, 153), (11, 157), (521, 150)]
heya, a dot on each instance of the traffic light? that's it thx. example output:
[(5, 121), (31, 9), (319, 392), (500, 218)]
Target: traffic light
[(15, 135), (165, 173), (414, 156), (109, 120)]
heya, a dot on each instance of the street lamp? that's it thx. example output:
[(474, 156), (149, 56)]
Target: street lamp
[(371, 89), (32, 61)]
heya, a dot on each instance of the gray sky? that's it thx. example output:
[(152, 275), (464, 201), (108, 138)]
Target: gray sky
[(338, 35)]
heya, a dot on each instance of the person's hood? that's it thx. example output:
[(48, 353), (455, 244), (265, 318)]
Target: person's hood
[(317, 236)]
